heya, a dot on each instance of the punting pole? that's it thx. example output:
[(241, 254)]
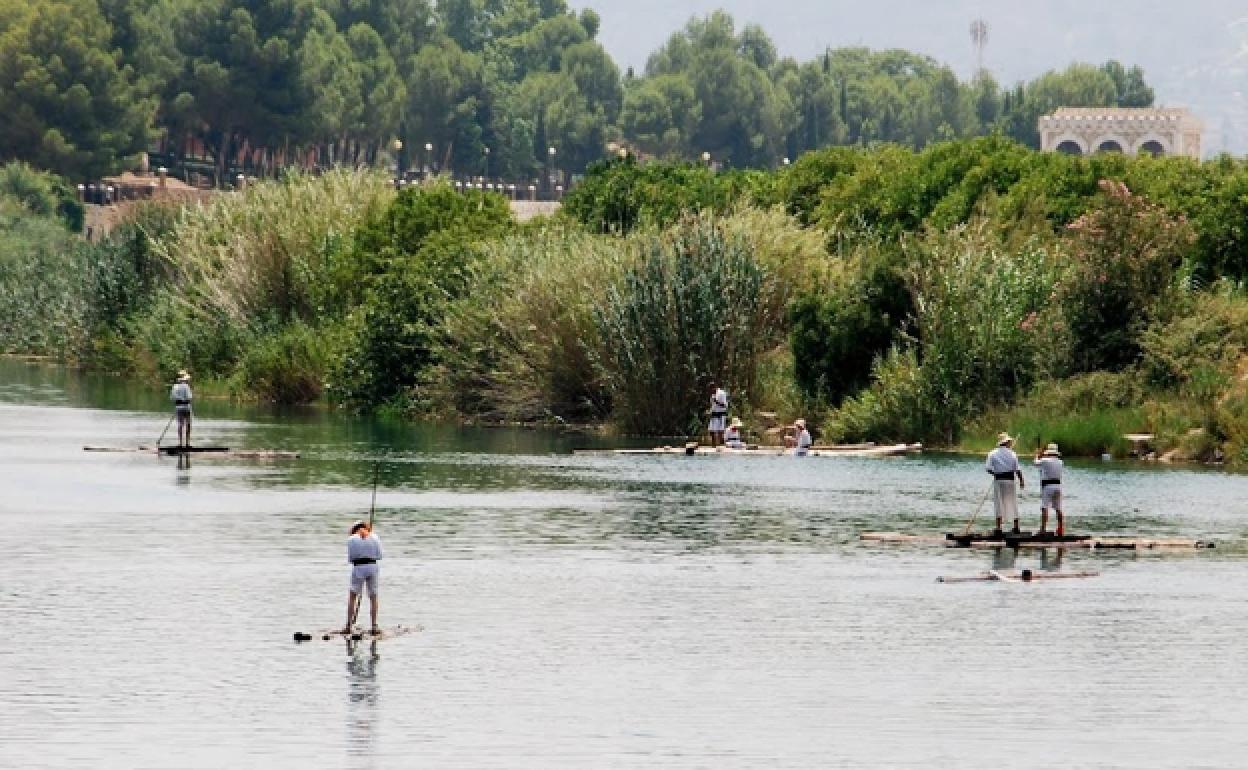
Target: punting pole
[(372, 510), (978, 508), (166, 430)]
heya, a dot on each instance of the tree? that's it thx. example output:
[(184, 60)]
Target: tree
[(69, 105)]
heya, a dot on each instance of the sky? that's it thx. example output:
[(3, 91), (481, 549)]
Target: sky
[(1194, 53)]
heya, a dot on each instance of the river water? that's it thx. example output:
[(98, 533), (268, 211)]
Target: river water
[(583, 610)]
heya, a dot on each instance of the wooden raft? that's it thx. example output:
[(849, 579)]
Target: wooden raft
[(1016, 577), (356, 634), (223, 451), (855, 450), (1092, 542)]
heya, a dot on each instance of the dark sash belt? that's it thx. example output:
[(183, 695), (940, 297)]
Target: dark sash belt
[(1049, 482), (180, 402), (363, 561), (1003, 476)]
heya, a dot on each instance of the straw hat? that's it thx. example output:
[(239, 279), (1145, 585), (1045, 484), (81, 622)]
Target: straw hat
[(799, 422), (1004, 438), (183, 376), (736, 422), (1051, 451)]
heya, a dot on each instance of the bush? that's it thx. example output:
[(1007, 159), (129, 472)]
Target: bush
[(1212, 330), (392, 335), (980, 327), (43, 305), (41, 193), (275, 250), (1124, 256), (122, 269), (416, 213), (696, 308), (839, 329), (522, 344), (618, 196), (285, 368)]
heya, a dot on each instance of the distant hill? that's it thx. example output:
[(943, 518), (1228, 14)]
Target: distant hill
[(1195, 53)]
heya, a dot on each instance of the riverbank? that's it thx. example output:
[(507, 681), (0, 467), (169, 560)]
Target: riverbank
[(1063, 299)]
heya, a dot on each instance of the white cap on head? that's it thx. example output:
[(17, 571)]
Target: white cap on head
[(1004, 438)]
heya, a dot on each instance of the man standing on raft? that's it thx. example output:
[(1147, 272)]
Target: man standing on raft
[(180, 394), (1002, 463), (719, 415), (1050, 464), (363, 552)]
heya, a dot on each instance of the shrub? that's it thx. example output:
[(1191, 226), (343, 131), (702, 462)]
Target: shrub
[(1124, 255), (1212, 330), (285, 368), (697, 307), (392, 335), (618, 196), (980, 324), (401, 228), (41, 193), (42, 298), (522, 344), (840, 328), (275, 249)]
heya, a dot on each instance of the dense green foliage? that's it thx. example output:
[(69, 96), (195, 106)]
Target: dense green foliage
[(424, 259), (479, 88), (886, 293)]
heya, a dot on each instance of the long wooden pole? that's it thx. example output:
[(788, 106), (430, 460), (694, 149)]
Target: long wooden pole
[(979, 507), (372, 510), (166, 430)]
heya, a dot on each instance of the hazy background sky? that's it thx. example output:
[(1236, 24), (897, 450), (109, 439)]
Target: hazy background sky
[(1194, 53)]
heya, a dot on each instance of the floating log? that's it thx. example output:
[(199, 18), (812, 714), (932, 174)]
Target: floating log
[(766, 451), (247, 454), (1091, 542), (1025, 576), (356, 634)]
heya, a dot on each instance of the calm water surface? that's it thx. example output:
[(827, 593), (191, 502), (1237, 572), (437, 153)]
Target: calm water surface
[(583, 610)]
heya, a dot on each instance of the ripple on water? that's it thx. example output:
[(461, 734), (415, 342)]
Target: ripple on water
[(588, 611)]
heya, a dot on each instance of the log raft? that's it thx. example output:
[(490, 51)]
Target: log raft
[(848, 450), (219, 451), (1025, 576), (1092, 542)]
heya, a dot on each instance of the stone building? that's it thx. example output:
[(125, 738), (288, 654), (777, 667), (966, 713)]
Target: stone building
[(1133, 130)]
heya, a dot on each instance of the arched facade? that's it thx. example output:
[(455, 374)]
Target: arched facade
[(1135, 131)]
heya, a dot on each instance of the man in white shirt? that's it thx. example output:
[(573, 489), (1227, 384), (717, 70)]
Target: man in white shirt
[(802, 440), (1050, 464), (719, 414), (732, 436), (1002, 463), (180, 395), (363, 552)]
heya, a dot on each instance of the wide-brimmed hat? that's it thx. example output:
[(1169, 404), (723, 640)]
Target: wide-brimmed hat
[(1004, 438), (1051, 451), (183, 375), (736, 422), (799, 422)]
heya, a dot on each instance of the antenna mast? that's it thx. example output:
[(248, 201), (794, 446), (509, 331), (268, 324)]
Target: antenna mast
[(979, 39)]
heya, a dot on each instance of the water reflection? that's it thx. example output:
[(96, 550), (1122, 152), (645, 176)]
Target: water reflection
[(363, 696), (183, 477)]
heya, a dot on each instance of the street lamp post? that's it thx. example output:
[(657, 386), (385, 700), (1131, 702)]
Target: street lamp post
[(550, 168), (485, 152), (428, 157), (706, 159)]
